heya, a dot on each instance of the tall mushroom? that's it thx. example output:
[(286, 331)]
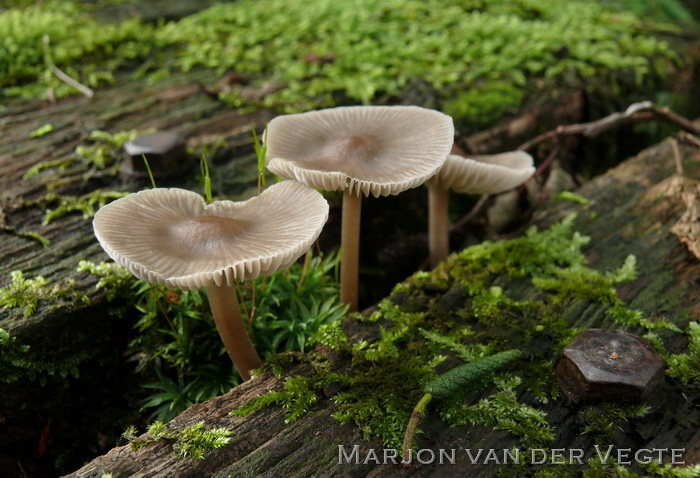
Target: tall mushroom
[(172, 238), (483, 174), (360, 150)]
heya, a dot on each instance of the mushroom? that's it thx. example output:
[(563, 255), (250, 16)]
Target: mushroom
[(360, 150), (172, 238), (483, 174)]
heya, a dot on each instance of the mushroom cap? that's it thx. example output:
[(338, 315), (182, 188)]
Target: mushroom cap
[(378, 150), (171, 237), (484, 174)]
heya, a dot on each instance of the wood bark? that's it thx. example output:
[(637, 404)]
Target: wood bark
[(631, 210)]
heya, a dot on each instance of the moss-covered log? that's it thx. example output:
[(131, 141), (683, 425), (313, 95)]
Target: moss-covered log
[(629, 211)]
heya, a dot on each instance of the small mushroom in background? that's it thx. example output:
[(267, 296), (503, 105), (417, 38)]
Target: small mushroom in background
[(164, 151), (172, 238), (482, 174), (360, 150)]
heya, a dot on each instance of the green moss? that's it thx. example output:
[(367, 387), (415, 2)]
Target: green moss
[(685, 366), (41, 131), (503, 411), (367, 51), (192, 442), (115, 280), (570, 196), (86, 204), (604, 421), (520, 294), (106, 146), (87, 51), (29, 293)]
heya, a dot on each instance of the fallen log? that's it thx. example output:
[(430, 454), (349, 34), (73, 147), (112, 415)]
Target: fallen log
[(629, 210)]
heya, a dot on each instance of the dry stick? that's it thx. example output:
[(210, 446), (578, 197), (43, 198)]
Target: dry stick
[(689, 139), (229, 323), (466, 219), (637, 112), (677, 156), (350, 250), (62, 75)]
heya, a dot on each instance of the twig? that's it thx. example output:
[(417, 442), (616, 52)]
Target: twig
[(466, 219), (677, 156), (688, 138), (62, 75), (637, 112)]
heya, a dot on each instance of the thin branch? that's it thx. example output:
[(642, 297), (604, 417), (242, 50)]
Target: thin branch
[(637, 112), (61, 75)]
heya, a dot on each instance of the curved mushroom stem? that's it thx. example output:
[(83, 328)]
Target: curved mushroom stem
[(438, 227), (229, 323), (350, 250)]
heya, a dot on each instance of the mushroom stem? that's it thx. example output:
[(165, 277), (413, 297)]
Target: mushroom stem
[(350, 249), (438, 227), (229, 323)]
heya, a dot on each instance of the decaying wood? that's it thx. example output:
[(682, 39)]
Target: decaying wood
[(631, 211)]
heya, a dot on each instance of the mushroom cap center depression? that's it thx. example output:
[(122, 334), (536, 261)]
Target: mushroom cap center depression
[(204, 237), (353, 155)]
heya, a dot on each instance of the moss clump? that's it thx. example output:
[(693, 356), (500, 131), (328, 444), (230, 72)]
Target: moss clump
[(86, 204), (504, 411), (410, 339), (192, 442), (29, 293), (115, 280)]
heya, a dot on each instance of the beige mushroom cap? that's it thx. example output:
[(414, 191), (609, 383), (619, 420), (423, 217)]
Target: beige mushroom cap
[(378, 150), (171, 237), (484, 174)]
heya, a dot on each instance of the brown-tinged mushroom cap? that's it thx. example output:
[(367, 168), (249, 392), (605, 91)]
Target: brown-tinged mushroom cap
[(378, 150), (171, 237), (484, 174)]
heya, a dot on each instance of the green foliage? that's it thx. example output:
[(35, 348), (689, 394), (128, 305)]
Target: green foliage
[(671, 471), (391, 370), (467, 353), (377, 47), (13, 357), (686, 366), (179, 348), (104, 151), (656, 10), (606, 419), (298, 398), (41, 131), (503, 411), (86, 50), (85, 204), (469, 377), (23, 292), (115, 280), (379, 395), (292, 305), (29, 293), (342, 53), (18, 362), (192, 442), (570, 196), (106, 146)]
